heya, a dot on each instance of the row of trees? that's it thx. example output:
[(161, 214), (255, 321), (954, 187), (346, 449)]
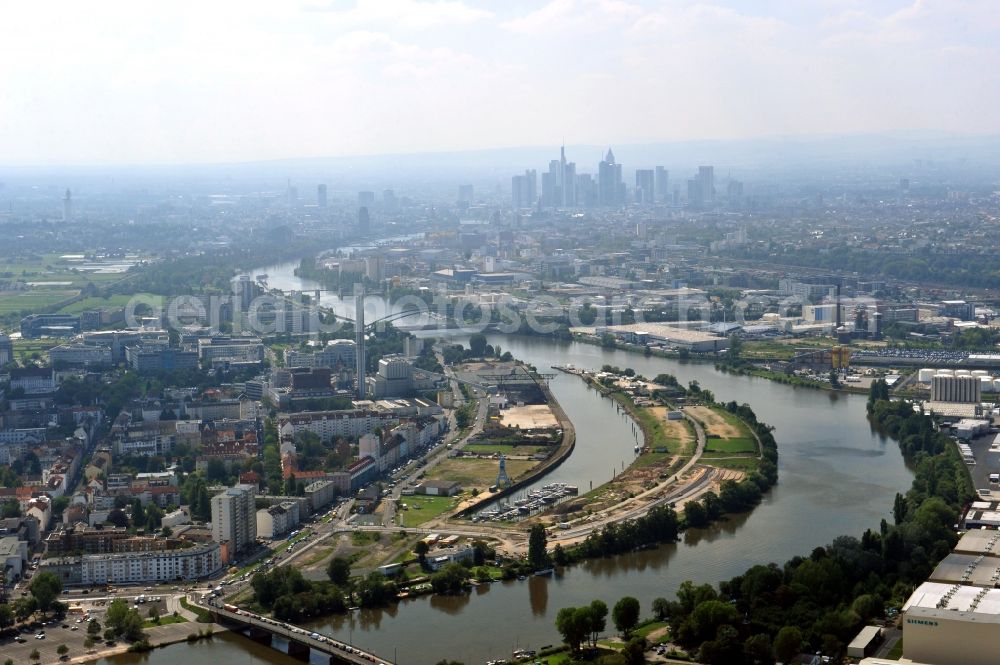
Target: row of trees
[(819, 601), (581, 626)]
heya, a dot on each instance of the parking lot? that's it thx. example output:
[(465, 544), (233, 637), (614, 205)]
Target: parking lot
[(987, 461)]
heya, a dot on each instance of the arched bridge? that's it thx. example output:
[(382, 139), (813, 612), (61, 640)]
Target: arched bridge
[(304, 644)]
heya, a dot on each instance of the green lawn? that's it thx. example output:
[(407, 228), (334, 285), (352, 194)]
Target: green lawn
[(737, 463), (740, 445), (896, 652), (651, 459), (645, 629), (424, 508), (165, 620)]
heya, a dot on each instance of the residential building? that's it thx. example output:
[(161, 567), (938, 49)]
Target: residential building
[(233, 519), (277, 520), (194, 562)]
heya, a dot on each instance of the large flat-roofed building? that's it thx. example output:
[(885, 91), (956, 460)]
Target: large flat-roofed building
[(952, 624), (973, 569), (979, 542), (646, 333)]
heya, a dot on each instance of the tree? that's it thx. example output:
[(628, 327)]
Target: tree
[(89, 642), (118, 518), (573, 624), (787, 643), (834, 378), (536, 547), (154, 614), (6, 616), (598, 610), (122, 621), (25, 607), (11, 508), (695, 514), (735, 348), (421, 549), (34, 655), (62, 649), (635, 651), (339, 571), (450, 579), (661, 609), (94, 627), (45, 588), (559, 556), (477, 345), (757, 649), (626, 615)]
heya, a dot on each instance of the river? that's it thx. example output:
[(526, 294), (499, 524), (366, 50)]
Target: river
[(835, 477)]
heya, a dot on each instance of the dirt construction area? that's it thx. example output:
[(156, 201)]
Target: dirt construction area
[(529, 417), (674, 429), (715, 423)]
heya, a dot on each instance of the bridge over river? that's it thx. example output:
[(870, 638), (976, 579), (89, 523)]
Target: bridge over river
[(304, 644)]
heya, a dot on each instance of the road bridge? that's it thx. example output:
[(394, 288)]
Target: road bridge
[(304, 644)]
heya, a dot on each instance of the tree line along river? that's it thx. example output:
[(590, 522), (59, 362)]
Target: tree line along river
[(836, 477)]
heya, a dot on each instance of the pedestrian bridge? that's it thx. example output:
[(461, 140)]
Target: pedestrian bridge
[(303, 644)]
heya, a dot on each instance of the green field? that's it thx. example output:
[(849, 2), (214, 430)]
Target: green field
[(115, 301), (488, 449), (33, 300), (422, 509), (735, 463), (50, 272), (741, 445)]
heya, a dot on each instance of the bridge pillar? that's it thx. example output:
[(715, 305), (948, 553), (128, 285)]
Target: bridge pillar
[(260, 635), (298, 650)]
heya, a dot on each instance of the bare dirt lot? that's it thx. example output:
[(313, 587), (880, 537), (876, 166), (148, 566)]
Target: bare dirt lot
[(675, 429), (716, 423), (529, 417)]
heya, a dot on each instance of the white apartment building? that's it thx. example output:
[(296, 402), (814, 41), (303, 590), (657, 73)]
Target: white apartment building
[(327, 425), (191, 563), (276, 520), (234, 518)]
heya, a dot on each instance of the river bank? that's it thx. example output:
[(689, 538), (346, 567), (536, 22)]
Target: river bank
[(837, 476), (566, 446)]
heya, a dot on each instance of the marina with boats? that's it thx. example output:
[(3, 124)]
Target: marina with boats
[(531, 501)]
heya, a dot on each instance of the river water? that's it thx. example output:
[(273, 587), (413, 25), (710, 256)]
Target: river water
[(835, 477)]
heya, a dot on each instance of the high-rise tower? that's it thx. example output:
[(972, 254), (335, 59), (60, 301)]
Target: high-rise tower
[(359, 327), (67, 207), (609, 181)]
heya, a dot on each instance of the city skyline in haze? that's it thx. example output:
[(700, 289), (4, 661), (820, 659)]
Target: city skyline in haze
[(133, 83)]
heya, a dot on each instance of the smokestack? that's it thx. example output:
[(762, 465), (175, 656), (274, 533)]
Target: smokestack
[(839, 322)]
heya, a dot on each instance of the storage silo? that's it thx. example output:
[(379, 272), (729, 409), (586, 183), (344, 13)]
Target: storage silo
[(980, 372), (945, 372), (986, 384), (925, 375), (962, 372)]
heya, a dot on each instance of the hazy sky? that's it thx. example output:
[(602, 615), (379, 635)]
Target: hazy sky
[(233, 80)]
